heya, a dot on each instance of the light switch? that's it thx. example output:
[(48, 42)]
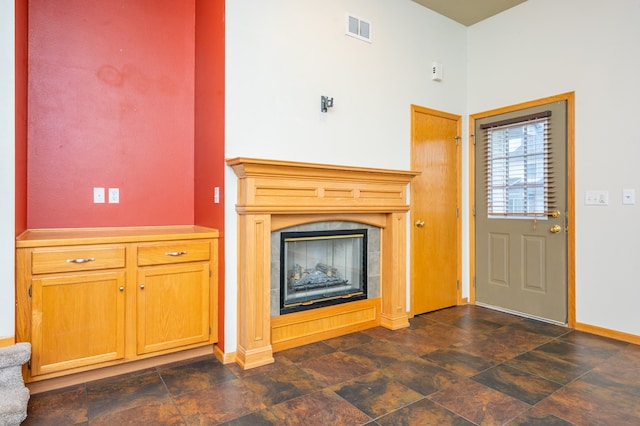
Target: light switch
[(596, 198), (98, 195), (628, 196)]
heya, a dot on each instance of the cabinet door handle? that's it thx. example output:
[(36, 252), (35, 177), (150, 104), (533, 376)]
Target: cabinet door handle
[(175, 253), (141, 286), (82, 260), (121, 288)]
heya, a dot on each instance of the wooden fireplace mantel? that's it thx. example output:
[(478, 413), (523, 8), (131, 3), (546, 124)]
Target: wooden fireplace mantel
[(272, 193)]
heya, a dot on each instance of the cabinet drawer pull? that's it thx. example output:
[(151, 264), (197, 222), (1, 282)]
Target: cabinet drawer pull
[(141, 286), (81, 260), (121, 288), (175, 253)]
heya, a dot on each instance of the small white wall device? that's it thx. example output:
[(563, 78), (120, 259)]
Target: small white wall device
[(436, 71)]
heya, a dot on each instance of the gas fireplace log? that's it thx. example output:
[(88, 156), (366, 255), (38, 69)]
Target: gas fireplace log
[(329, 270)]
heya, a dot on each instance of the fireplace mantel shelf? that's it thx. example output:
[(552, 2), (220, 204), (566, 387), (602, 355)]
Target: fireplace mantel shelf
[(303, 192), (280, 187)]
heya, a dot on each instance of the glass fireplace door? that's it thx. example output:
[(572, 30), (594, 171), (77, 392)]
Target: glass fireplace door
[(320, 268)]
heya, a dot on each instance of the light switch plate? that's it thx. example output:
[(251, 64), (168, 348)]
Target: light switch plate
[(98, 195), (628, 196), (596, 198)]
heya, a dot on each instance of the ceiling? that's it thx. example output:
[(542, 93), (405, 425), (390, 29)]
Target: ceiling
[(469, 12)]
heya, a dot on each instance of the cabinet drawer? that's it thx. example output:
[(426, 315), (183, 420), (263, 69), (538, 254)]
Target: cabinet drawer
[(173, 252), (78, 258)]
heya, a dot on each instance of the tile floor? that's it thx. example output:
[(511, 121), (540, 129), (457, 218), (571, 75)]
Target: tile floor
[(459, 366)]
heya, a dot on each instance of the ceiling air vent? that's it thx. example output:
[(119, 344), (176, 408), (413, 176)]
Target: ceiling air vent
[(358, 28)]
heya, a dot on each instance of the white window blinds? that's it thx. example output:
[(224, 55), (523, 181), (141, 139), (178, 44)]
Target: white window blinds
[(519, 167)]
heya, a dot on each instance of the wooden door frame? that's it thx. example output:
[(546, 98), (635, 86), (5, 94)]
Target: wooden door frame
[(571, 275), (412, 218)]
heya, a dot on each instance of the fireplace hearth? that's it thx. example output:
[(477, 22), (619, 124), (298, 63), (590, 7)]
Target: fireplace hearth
[(322, 268)]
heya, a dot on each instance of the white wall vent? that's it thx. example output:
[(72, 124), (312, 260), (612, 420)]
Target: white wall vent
[(358, 28)]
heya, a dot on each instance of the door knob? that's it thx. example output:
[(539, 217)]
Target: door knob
[(420, 223), (555, 229)]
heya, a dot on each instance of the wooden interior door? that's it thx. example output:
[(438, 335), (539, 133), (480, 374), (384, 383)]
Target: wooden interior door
[(435, 213)]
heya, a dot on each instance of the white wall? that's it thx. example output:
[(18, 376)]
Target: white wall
[(7, 168), (546, 47), (282, 55)]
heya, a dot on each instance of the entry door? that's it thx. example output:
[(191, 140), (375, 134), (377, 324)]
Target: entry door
[(435, 222), (520, 211)]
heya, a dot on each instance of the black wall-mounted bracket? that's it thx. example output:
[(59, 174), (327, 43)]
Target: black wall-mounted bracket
[(325, 103)]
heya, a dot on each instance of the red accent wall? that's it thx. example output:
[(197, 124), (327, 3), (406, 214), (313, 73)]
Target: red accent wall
[(21, 43), (209, 128), (126, 94), (111, 104)]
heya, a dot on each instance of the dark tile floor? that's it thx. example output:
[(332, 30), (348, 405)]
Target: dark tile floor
[(461, 366)]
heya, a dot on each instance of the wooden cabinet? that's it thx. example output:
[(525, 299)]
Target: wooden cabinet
[(88, 298), (77, 320), (172, 307)]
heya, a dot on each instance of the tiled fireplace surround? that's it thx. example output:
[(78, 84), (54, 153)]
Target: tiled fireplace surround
[(273, 195)]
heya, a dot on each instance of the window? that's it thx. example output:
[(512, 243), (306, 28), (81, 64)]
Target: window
[(519, 178)]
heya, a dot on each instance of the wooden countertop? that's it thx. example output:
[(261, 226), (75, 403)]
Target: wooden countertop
[(74, 236)]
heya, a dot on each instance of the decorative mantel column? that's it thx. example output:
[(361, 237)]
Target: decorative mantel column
[(307, 190)]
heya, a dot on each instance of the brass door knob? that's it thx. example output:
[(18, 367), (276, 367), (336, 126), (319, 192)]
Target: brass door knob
[(420, 223), (555, 229)]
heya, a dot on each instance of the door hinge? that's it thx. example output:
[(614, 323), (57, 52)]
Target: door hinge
[(30, 291), (29, 364), (458, 212), (473, 137), (209, 273), (474, 282), (458, 285), (458, 138), (209, 330), (474, 211)]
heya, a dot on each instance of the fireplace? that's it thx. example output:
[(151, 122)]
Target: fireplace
[(322, 268), (276, 195)]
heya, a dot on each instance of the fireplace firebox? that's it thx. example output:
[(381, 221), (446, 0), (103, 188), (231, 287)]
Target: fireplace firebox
[(322, 268)]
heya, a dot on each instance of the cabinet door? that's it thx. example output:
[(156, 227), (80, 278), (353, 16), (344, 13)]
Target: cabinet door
[(77, 320), (172, 306)]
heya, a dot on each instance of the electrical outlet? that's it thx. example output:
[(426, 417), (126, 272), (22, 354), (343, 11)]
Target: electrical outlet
[(114, 195), (98, 195), (216, 194)]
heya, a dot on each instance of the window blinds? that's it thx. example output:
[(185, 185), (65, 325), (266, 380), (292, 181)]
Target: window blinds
[(519, 167)]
